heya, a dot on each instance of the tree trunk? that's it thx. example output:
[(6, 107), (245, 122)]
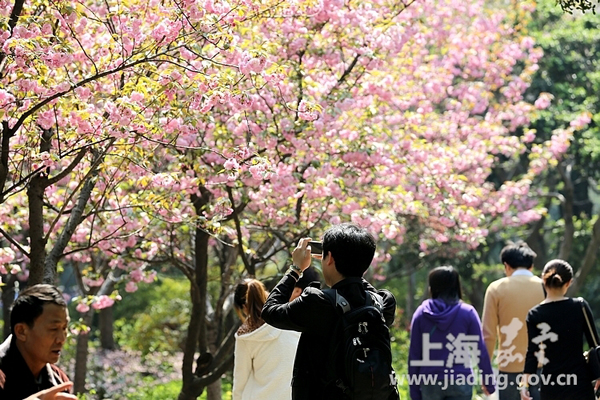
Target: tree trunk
[(190, 347), (8, 296), (198, 290), (35, 195), (75, 218), (589, 260), (37, 238), (7, 133), (477, 294), (81, 356), (107, 339), (410, 294), (537, 243), (567, 208), (202, 284), (213, 391), (215, 352)]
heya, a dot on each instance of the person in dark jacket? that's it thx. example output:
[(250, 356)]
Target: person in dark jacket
[(445, 341), (555, 331), (38, 321), (347, 253)]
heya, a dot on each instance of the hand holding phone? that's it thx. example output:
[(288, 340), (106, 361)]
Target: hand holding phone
[(301, 256)]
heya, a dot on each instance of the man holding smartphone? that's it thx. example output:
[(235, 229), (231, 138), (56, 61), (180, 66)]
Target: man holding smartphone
[(346, 255)]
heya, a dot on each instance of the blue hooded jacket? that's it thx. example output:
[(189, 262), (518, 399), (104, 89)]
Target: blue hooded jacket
[(445, 337)]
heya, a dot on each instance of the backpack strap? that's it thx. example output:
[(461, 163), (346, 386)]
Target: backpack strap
[(337, 300)]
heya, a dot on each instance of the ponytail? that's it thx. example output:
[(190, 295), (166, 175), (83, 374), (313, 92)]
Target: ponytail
[(254, 297)]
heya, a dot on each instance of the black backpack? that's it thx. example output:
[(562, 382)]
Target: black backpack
[(361, 350)]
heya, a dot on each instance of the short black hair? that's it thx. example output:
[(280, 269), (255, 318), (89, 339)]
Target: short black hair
[(308, 275), (444, 283), (352, 248), (517, 255), (30, 304)]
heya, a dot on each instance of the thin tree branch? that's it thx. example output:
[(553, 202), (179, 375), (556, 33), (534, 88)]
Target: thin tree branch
[(240, 236), (91, 172), (69, 169), (14, 242)]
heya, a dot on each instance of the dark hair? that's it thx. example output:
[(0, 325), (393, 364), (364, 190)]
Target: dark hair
[(352, 248), (239, 295), (517, 255), (251, 294), (444, 283), (557, 273), (30, 304), (309, 275)]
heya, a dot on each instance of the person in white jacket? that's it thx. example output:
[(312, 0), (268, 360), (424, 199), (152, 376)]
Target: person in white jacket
[(264, 355)]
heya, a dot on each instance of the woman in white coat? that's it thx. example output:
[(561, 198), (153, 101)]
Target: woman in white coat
[(264, 355)]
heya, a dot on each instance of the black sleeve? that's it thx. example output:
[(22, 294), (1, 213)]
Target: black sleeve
[(531, 361), (310, 312), (389, 306), (389, 302), (592, 341)]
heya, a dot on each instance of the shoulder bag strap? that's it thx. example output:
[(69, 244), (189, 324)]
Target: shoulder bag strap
[(588, 323)]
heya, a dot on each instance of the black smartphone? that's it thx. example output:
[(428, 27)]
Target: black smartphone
[(316, 247)]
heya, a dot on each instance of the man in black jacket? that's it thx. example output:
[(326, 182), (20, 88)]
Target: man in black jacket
[(347, 253), (39, 320)]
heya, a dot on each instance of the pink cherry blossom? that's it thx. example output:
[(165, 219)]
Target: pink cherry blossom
[(131, 287), (102, 301), (137, 275), (7, 255), (543, 101), (150, 277), (82, 308), (231, 164), (93, 282), (581, 120)]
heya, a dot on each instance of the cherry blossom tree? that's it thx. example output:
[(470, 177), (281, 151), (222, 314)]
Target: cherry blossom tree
[(84, 86)]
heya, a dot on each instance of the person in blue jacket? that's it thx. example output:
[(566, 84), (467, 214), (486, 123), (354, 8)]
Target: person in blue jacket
[(446, 341)]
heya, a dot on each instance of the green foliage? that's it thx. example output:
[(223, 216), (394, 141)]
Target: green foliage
[(400, 345), (166, 391), (154, 318), (87, 396), (569, 71), (150, 390)]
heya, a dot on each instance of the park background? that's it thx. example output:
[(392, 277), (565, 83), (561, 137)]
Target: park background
[(154, 153)]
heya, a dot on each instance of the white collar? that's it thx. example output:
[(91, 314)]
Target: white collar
[(522, 272)]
